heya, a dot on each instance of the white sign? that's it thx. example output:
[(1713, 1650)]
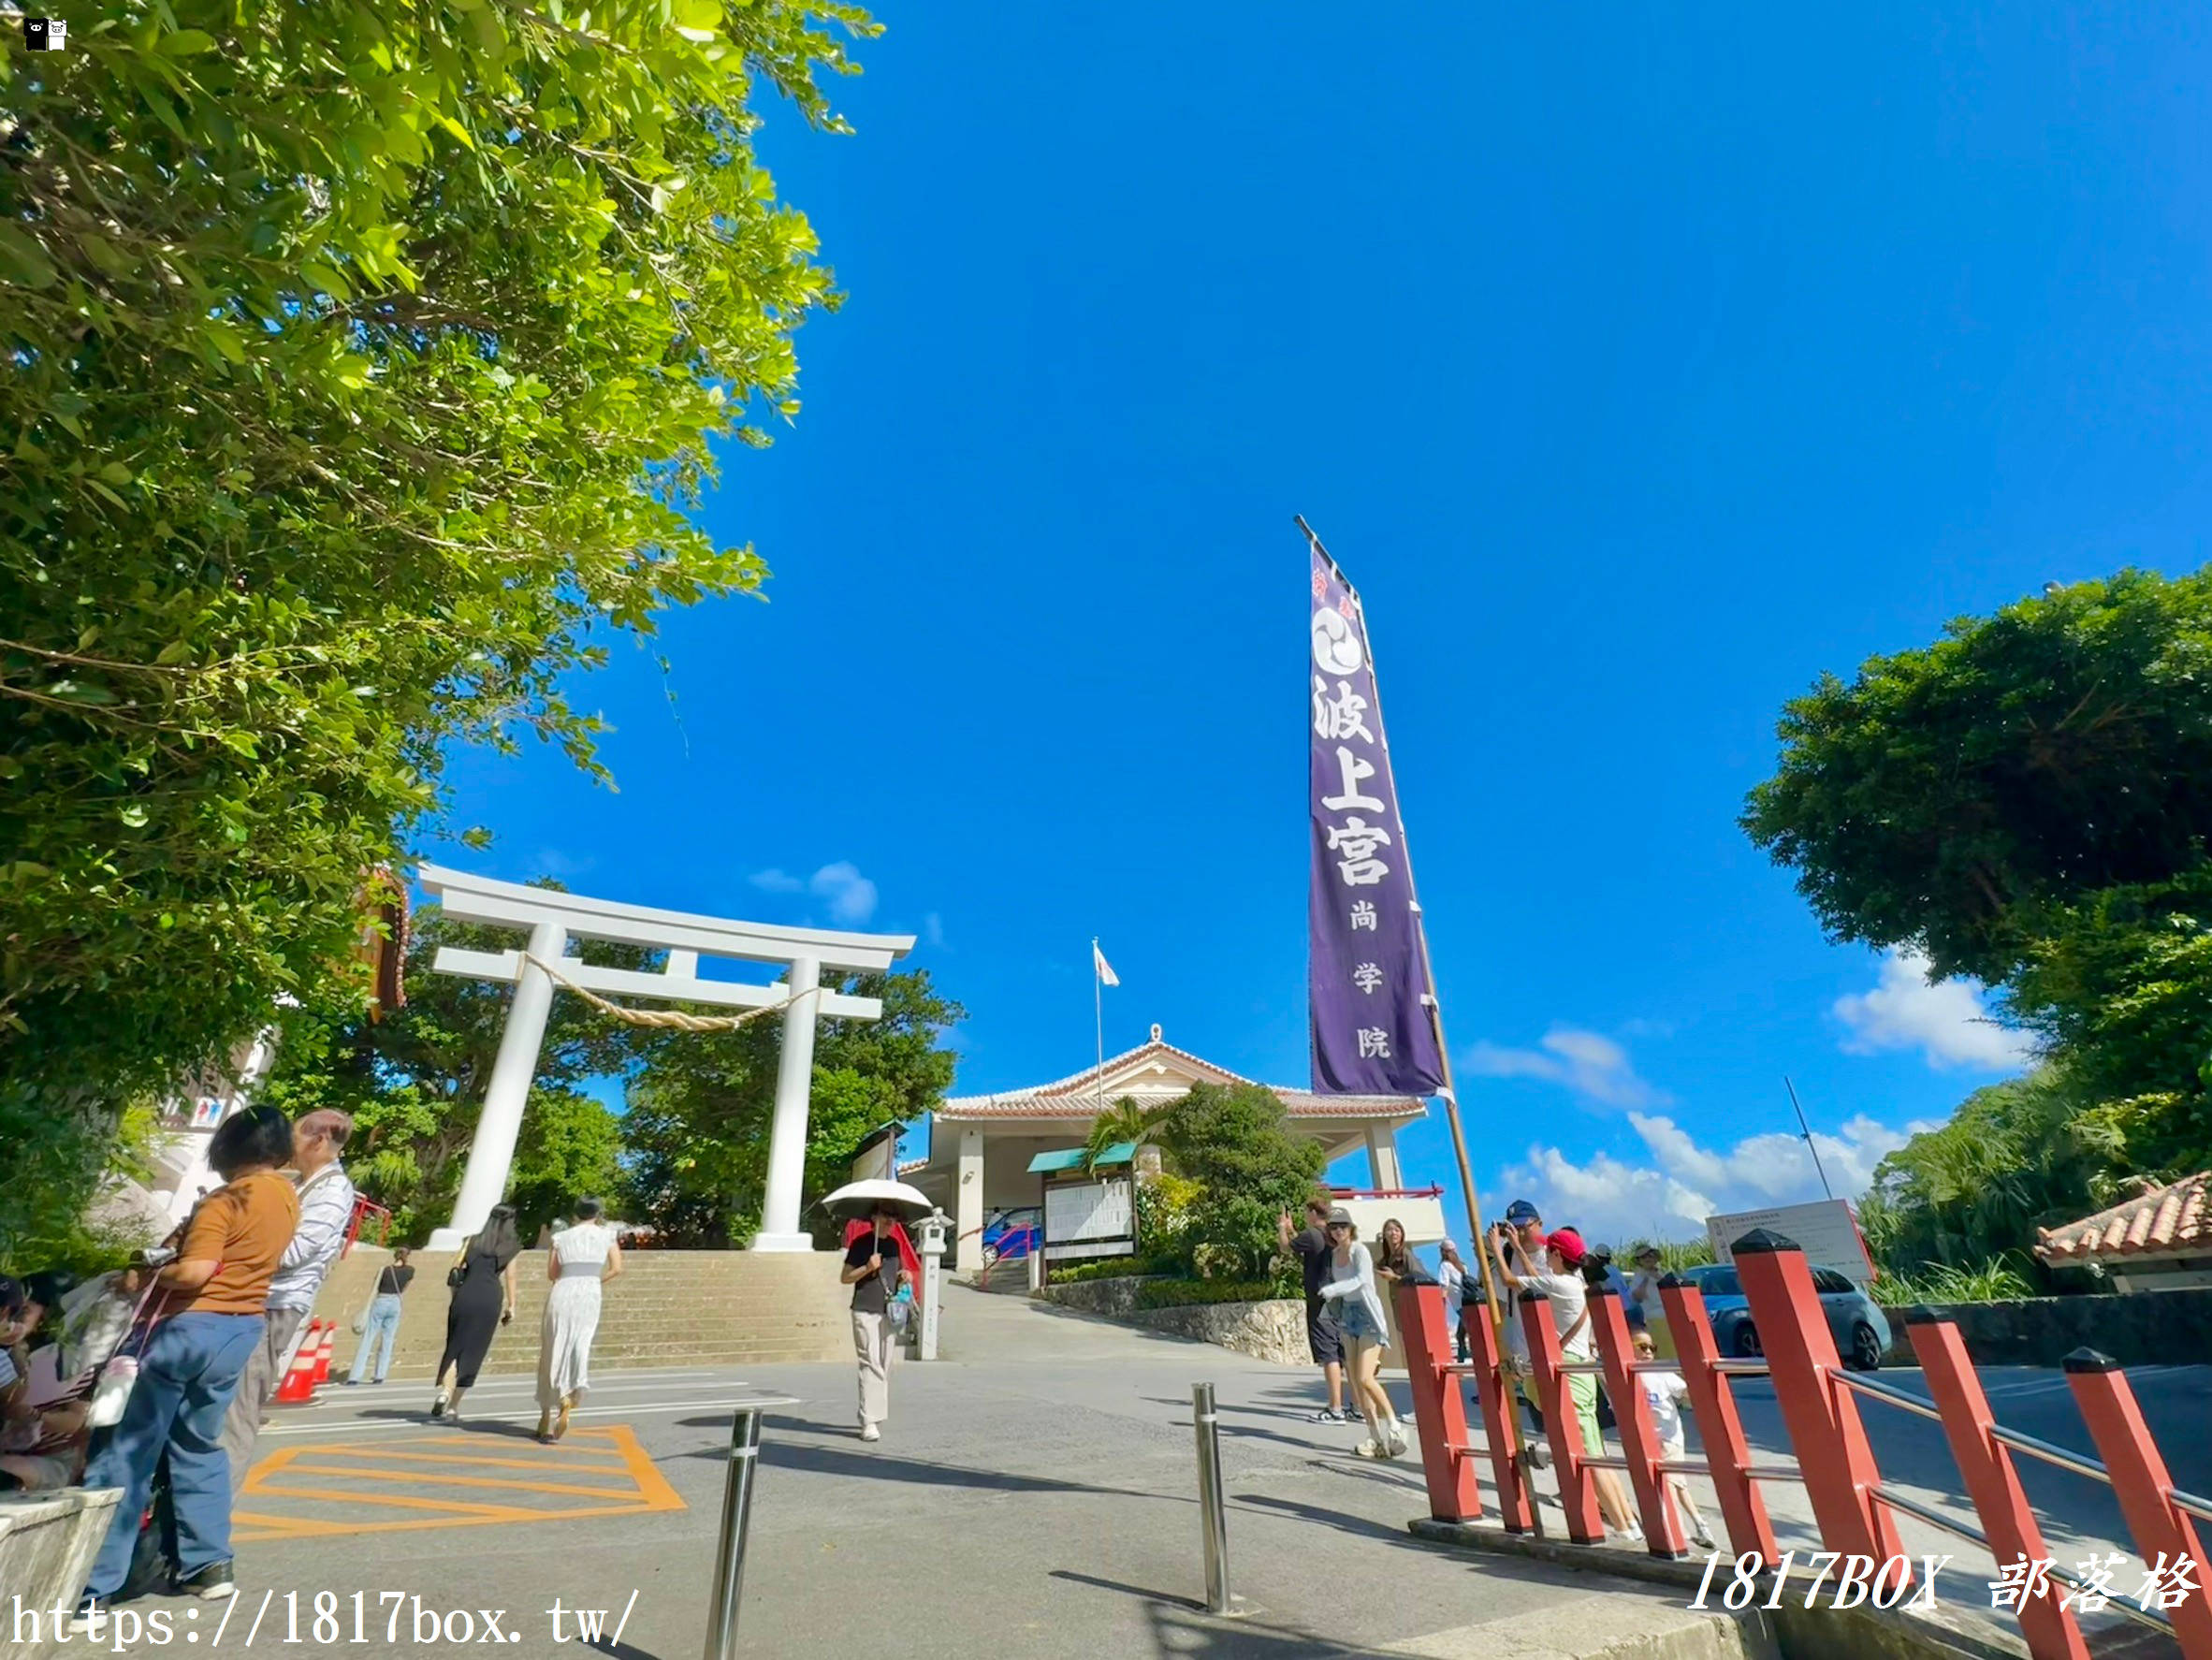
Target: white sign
[(1825, 1229), (1080, 1213)]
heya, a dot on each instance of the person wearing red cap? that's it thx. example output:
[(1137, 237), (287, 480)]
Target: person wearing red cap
[(1568, 1299)]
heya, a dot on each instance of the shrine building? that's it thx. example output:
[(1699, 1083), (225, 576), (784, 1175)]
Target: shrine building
[(981, 1147)]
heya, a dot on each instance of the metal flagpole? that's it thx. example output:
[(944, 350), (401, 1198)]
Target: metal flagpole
[(1806, 1131), (1098, 999), (1484, 1245)]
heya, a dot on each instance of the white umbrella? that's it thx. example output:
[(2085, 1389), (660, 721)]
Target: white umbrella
[(864, 1198)]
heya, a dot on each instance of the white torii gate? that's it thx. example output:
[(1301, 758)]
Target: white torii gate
[(554, 918)]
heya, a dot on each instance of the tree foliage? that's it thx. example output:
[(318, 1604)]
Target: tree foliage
[(2025, 1154), (695, 1126), (1240, 1163), (2028, 801), (1951, 796), (360, 367)]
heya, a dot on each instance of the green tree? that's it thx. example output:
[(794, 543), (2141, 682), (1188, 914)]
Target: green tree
[(2029, 801), (695, 1125), (1236, 1143), (360, 372), (415, 1081), (1949, 797), (2016, 1157)]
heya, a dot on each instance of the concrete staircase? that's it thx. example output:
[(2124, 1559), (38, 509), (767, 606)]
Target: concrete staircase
[(670, 1309)]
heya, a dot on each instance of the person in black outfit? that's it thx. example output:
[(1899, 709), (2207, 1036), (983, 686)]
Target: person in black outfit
[(483, 1281), (1324, 1340)]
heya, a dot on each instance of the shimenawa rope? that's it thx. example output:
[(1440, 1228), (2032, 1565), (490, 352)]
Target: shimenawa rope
[(667, 1019)]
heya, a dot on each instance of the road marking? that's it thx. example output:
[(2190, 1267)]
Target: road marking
[(369, 1426), (325, 1490)]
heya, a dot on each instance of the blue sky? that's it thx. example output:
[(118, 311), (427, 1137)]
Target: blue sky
[(1637, 370)]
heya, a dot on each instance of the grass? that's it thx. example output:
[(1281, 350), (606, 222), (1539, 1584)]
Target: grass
[(1991, 1281)]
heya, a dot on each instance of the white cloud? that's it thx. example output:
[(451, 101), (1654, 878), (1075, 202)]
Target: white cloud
[(933, 929), (1611, 1198), (851, 897), (1588, 1063), (1945, 1020)]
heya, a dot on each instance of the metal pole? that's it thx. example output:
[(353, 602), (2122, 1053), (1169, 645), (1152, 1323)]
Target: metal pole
[(1213, 1518), (1806, 1131), (729, 1560), (1485, 1248)]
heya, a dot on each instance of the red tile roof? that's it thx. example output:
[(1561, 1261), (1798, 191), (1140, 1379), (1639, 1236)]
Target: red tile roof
[(1076, 1097), (2162, 1222)]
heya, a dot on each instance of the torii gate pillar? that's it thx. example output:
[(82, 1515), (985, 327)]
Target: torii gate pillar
[(553, 918)]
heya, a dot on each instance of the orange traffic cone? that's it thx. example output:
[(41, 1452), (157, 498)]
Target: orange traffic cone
[(323, 1353), (299, 1387)]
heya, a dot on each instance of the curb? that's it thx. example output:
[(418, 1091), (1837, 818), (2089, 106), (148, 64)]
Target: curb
[(1803, 1633)]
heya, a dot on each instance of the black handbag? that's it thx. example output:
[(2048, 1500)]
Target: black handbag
[(459, 1271)]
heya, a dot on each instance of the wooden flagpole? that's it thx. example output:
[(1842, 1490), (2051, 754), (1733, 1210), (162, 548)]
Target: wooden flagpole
[(1485, 1248)]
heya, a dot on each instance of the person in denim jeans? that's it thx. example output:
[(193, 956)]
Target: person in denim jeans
[(381, 1328), (192, 1361)]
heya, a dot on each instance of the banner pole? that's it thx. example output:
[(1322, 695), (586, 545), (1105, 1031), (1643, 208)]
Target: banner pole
[(1485, 1248)]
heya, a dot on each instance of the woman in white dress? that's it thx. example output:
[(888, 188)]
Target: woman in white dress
[(581, 1259)]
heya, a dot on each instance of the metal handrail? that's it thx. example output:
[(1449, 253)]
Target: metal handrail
[(1888, 1393), (1740, 1368), (2202, 1509), (1951, 1525), (2079, 1463), (1772, 1473), (1934, 1518)]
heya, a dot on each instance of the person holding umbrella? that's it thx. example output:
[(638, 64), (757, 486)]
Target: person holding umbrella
[(877, 1258), (872, 1268)]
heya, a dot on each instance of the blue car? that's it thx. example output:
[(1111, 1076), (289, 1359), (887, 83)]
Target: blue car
[(1861, 1329)]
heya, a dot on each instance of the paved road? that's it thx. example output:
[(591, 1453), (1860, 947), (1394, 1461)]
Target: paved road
[(1035, 1496)]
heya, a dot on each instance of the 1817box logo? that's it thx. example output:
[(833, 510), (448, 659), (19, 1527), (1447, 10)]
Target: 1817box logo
[(45, 34)]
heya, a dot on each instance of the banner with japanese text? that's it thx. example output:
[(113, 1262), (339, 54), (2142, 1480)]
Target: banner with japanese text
[(1366, 993)]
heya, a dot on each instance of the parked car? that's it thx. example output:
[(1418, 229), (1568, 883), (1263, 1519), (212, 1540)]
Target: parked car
[(1861, 1329), (1011, 1235)]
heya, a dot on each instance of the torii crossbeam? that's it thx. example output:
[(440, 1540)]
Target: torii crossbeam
[(554, 918)]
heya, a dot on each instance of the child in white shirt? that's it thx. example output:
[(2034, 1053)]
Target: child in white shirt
[(1663, 1392)]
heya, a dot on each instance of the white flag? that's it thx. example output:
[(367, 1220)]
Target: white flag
[(1106, 973)]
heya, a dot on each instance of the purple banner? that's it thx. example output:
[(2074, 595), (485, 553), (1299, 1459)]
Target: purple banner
[(1368, 998)]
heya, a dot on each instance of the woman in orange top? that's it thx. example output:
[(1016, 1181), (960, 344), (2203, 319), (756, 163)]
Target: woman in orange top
[(213, 1294)]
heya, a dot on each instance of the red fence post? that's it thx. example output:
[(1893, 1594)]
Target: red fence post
[(1720, 1429), (1440, 1410), (2140, 1482), (1632, 1415), (1493, 1400), (1820, 1414), (1578, 1488), (1991, 1481)]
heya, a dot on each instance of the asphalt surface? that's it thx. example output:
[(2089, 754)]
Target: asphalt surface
[(1034, 1495)]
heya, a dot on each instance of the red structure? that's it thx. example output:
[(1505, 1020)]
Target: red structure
[(1819, 1401)]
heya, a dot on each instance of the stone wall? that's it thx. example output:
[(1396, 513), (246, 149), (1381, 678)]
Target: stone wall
[(2139, 1329), (670, 1309), (1274, 1329), (47, 1544)]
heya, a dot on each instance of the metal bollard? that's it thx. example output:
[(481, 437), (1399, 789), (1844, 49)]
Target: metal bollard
[(1213, 1516), (729, 1560)]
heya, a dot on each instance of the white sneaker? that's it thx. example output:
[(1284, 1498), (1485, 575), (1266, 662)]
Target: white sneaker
[(1703, 1539), (1371, 1449), (868, 1432), (1397, 1442)]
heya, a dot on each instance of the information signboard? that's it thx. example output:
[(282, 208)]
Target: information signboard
[(1096, 1218), (1825, 1229)]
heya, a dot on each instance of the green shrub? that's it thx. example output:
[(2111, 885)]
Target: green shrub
[(1992, 1281), (1076, 1274)]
